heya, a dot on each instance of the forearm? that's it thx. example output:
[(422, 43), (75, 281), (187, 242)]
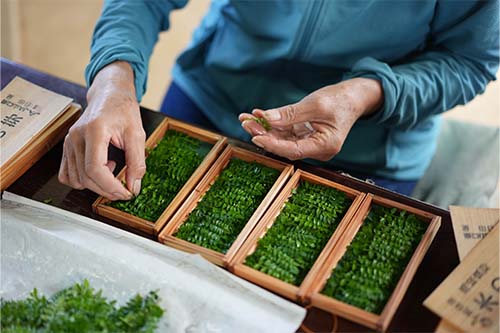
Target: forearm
[(127, 31), (429, 85), (366, 94), (115, 76), (460, 59)]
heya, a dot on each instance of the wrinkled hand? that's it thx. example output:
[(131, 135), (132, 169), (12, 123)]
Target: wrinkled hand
[(317, 126), (112, 116)]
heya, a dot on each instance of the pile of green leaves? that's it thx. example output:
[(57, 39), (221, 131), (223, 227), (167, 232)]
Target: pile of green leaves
[(226, 207), (168, 167), (373, 263), (300, 232), (80, 309)]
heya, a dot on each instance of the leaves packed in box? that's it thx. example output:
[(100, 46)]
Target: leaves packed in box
[(375, 260), (226, 207), (300, 232), (169, 166)]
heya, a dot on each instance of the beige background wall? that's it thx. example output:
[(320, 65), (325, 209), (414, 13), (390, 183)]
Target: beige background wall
[(54, 36)]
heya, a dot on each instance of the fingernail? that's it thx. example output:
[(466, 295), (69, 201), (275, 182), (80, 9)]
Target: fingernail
[(122, 196), (273, 115), (259, 132), (256, 131), (137, 186), (257, 143), (119, 196)]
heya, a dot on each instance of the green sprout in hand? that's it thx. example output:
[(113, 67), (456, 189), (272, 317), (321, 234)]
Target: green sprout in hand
[(263, 122)]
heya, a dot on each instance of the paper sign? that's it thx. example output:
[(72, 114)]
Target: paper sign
[(26, 110), (445, 327), (470, 225), (468, 298)]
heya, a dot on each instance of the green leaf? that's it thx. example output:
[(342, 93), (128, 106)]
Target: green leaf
[(263, 122), (80, 309)]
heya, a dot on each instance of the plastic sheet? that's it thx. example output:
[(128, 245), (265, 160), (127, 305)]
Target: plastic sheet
[(50, 249)]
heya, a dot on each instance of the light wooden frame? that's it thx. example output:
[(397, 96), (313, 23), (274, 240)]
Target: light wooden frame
[(355, 314), (101, 206), (292, 292), (221, 259)]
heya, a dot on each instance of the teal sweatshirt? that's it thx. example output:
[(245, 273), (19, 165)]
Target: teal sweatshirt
[(429, 56)]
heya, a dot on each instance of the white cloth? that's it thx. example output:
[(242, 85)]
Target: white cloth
[(465, 168), (50, 249)]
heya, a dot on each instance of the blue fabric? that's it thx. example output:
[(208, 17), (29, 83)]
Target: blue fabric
[(178, 105), (404, 187), (428, 55)]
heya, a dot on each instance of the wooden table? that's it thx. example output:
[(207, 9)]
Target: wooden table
[(40, 183)]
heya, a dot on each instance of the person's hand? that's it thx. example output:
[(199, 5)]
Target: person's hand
[(112, 116), (317, 126)]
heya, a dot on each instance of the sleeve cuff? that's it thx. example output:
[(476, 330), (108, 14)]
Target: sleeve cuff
[(373, 69), (103, 57)]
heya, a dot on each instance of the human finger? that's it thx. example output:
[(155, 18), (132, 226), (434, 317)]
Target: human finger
[(111, 165), (91, 185), (98, 172), (287, 115), (85, 180), (303, 130), (315, 146), (72, 170), (135, 159), (63, 170), (79, 158), (245, 116), (252, 127)]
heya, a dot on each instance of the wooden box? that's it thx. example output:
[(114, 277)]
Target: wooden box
[(353, 313), (38, 145), (101, 206), (295, 293), (221, 259)]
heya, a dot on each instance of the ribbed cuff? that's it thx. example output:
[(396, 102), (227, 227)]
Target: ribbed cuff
[(105, 56), (371, 68)]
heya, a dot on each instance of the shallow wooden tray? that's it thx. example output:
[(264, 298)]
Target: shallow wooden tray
[(221, 259), (101, 207), (295, 293), (355, 314)]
